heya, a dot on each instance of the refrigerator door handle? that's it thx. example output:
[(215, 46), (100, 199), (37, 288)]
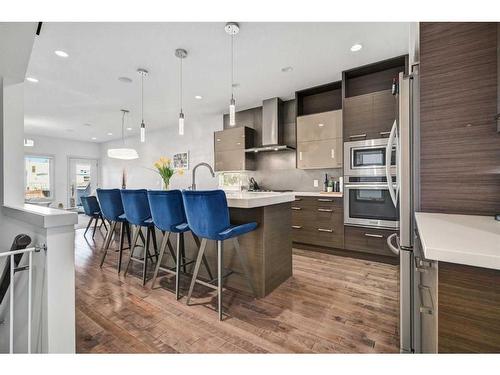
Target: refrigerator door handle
[(393, 248), (388, 156)]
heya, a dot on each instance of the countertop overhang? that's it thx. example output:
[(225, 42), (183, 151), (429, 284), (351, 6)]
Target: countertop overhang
[(464, 239), (257, 199), (43, 217)]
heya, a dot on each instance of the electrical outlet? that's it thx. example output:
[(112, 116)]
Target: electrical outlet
[(316, 183)]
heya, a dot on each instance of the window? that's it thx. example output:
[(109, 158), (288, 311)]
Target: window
[(38, 178)]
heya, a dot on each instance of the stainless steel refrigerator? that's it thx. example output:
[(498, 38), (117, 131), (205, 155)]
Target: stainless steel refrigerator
[(404, 138)]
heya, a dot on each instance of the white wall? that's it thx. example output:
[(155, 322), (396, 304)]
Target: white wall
[(197, 139), (61, 150), (13, 117)]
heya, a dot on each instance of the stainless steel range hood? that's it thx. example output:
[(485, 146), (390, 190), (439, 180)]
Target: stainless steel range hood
[(272, 127)]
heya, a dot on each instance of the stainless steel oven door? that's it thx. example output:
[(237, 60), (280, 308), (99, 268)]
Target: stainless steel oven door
[(367, 158), (370, 205)]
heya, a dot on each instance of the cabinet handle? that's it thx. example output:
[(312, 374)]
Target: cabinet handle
[(426, 309), (333, 153), (358, 136), (300, 155), (324, 200), (384, 133), (218, 139), (297, 226), (325, 230), (298, 199), (321, 125), (296, 208), (325, 210), (374, 235)]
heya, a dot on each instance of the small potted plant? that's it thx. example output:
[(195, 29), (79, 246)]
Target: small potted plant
[(166, 171)]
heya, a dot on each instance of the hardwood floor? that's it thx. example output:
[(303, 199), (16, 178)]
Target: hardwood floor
[(331, 304)]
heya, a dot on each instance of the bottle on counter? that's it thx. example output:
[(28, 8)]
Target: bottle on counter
[(326, 182)]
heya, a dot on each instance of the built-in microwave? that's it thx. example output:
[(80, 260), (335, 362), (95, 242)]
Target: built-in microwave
[(367, 158), (367, 203)]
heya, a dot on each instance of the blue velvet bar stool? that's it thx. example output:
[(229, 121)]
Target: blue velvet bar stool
[(92, 210), (207, 215), (167, 212), (138, 214), (110, 201)]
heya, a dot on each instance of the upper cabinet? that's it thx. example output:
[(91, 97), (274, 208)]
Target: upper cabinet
[(319, 127), (229, 149), (369, 108)]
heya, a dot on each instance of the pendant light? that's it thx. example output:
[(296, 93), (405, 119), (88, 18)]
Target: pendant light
[(123, 153), (143, 73), (181, 54), (232, 28)]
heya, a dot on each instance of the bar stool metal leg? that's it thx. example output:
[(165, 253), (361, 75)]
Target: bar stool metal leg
[(132, 247), (220, 250), (146, 256), (205, 261), (95, 226), (237, 248), (122, 239), (163, 247), (178, 264), (88, 225), (107, 242), (201, 251)]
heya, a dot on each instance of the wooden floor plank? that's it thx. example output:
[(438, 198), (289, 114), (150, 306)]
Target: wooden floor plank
[(332, 304)]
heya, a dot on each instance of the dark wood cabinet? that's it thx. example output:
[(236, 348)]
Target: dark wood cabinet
[(369, 116), (229, 149), (318, 221), (368, 240)]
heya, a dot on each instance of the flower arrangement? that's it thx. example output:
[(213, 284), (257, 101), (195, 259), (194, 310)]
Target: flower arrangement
[(166, 171)]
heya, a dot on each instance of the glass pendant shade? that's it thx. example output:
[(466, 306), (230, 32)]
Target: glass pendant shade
[(143, 133), (123, 153), (232, 112), (181, 123)]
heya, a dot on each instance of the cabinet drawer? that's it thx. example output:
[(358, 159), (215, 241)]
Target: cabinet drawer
[(317, 202), (319, 126), (367, 240), (324, 235), (319, 154)]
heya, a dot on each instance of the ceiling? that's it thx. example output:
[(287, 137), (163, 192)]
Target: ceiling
[(80, 97)]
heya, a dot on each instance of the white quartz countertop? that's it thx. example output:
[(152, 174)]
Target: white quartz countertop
[(44, 217), (257, 199), (318, 194), (464, 239)]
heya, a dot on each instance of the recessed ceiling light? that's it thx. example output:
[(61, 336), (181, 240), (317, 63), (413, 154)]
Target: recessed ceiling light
[(87, 124), (125, 79), (110, 133), (287, 69), (31, 79), (93, 138), (61, 53), (129, 128), (356, 47), (199, 97), (236, 85)]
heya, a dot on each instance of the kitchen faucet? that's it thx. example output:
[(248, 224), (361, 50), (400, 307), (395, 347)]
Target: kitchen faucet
[(193, 184)]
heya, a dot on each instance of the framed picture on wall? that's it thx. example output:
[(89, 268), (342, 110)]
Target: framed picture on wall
[(181, 160)]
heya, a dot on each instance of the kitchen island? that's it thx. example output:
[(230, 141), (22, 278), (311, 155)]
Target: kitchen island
[(267, 250)]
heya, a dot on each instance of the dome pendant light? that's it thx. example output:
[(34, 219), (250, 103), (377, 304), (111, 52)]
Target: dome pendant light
[(181, 54), (123, 153), (232, 28), (143, 73)]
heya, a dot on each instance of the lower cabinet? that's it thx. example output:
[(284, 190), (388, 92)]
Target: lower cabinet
[(318, 221), (368, 240)]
